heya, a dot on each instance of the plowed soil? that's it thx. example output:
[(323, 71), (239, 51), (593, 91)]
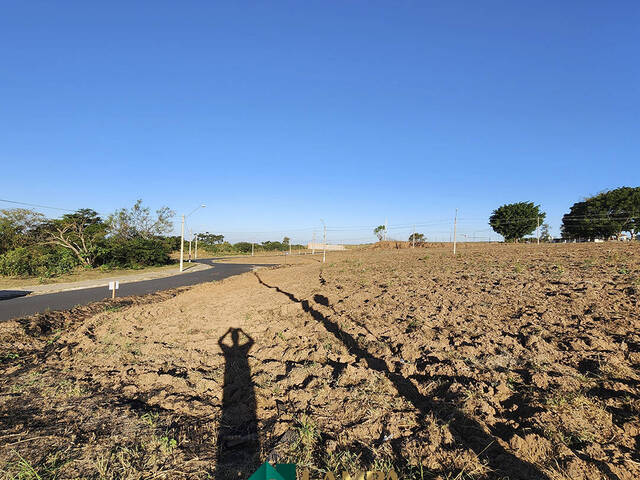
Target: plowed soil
[(507, 361)]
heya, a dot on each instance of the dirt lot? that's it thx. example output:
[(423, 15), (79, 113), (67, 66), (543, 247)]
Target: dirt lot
[(293, 259), (508, 361)]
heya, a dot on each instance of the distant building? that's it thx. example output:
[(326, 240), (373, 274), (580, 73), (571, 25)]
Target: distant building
[(321, 246)]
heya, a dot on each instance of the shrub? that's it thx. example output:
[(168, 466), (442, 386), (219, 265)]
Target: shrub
[(43, 261), (242, 247), (56, 261), (17, 262), (136, 252)]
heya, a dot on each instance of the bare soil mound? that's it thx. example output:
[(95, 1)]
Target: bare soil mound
[(507, 361), (398, 244)]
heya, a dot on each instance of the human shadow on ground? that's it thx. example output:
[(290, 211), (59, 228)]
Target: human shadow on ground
[(468, 432), (238, 442)]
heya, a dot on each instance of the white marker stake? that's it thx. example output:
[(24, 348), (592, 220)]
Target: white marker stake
[(113, 286)]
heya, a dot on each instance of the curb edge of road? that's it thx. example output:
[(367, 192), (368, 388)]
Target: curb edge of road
[(105, 282)]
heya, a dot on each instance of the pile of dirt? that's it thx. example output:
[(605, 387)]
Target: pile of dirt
[(398, 244), (506, 361)]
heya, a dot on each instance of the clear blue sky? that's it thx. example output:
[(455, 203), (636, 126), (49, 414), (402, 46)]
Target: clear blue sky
[(277, 114)]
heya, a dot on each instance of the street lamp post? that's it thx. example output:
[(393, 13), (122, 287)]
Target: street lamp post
[(182, 235), (182, 242)]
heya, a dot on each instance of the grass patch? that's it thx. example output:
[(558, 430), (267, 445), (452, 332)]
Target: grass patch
[(22, 469), (307, 436)]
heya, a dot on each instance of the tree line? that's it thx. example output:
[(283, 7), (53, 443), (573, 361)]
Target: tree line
[(216, 245), (609, 214), (31, 244)]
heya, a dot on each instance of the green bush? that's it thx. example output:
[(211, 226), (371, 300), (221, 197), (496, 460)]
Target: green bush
[(137, 252), (242, 247), (173, 243), (43, 261), (57, 262), (17, 262)]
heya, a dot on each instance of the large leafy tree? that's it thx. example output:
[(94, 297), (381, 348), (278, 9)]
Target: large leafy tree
[(18, 227), (137, 221), (515, 220), (604, 215), (418, 237), (79, 232), (207, 238)]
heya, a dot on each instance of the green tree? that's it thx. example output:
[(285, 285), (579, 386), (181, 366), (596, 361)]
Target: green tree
[(271, 246), (210, 239), (418, 237), (80, 232), (604, 215), (545, 234), (18, 227), (515, 220), (242, 247), (125, 224), (286, 241), (380, 231)]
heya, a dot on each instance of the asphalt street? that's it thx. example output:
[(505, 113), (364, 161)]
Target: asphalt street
[(21, 306)]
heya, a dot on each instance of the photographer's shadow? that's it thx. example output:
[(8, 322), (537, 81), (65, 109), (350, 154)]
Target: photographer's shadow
[(238, 441)]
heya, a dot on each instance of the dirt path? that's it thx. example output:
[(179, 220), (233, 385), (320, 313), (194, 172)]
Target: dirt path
[(506, 361)]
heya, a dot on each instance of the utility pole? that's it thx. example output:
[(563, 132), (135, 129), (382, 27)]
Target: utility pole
[(182, 237), (313, 244), (538, 230), (385, 229), (413, 237), (324, 243), (455, 222), (190, 238), (252, 249), (289, 247), (182, 243), (324, 246), (196, 254)]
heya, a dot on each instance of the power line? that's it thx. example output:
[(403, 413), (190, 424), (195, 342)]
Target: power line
[(37, 206)]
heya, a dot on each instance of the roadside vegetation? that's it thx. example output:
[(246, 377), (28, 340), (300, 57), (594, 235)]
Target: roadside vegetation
[(34, 246), (216, 245), (82, 245)]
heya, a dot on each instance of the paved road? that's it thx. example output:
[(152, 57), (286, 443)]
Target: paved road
[(28, 305)]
